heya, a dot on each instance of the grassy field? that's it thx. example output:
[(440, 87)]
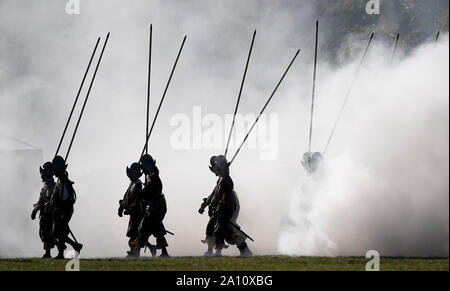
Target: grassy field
[(266, 263)]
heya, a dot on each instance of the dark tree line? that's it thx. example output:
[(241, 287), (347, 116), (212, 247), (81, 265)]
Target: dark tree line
[(416, 20)]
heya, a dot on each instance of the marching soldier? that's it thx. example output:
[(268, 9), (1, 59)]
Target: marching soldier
[(44, 209), (312, 161), (63, 199), (223, 211), (132, 205), (155, 210)]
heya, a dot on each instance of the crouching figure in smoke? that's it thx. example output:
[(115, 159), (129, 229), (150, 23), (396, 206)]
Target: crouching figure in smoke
[(223, 210), (44, 209), (62, 201), (312, 161), (132, 205), (155, 210)]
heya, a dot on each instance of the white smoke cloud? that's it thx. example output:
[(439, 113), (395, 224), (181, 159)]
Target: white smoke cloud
[(384, 184)]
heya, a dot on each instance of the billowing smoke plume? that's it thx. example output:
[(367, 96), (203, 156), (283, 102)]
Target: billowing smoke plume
[(384, 183), (385, 179)]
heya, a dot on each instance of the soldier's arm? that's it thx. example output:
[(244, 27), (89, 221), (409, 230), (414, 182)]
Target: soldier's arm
[(208, 199), (36, 207), (206, 202), (122, 202), (125, 196), (120, 210)]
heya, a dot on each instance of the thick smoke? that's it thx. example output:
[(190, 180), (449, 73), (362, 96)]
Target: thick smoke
[(387, 168), (384, 183)]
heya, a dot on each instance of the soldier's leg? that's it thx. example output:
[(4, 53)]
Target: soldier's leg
[(210, 238), (244, 250), (161, 243), (132, 233), (220, 240), (61, 246), (63, 236), (220, 244), (134, 252), (47, 253), (59, 236), (63, 233), (61, 243), (135, 248), (143, 233), (152, 248), (221, 233), (159, 231), (46, 235)]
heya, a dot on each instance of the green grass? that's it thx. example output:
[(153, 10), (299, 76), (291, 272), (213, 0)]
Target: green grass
[(266, 263)]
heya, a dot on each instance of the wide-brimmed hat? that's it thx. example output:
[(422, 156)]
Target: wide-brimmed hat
[(46, 171), (134, 172), (147, 163), (59, 165)]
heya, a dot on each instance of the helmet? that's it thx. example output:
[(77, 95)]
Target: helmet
[(59, 166), (134, 172), (148, 164), (46, 171), (219, 165), (311, 161)]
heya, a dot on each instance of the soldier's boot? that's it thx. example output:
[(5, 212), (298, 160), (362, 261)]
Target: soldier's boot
[(209, 252), (134, 253), (60, 255), (162, 244), (218, 253), (47, 254), (220, 244), (210, 242), (164, 253), (47, 251), (152, 249), (244, 250), (61, 248), (135, 248)]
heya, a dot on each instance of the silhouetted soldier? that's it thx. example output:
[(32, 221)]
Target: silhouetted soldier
[(312, 161), (155, 209), (132, 205), (63, 199), (44, 209), (223, 210)]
